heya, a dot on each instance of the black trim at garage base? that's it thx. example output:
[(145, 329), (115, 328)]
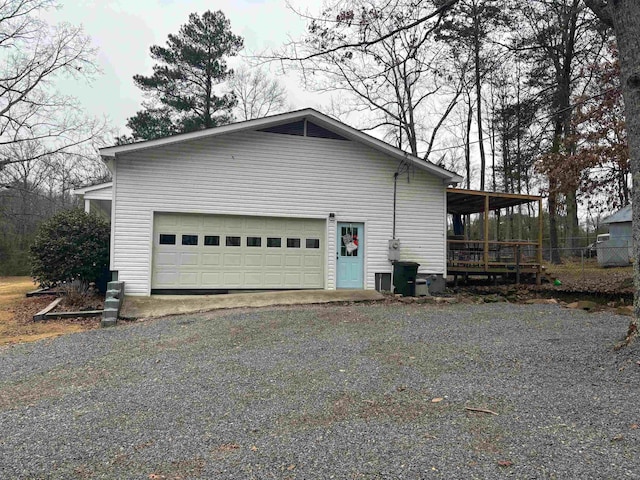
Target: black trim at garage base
[(217, 291)]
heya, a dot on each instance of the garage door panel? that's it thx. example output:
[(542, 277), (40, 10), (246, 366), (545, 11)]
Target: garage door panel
[(211, 279), (293, 260), (312, 261), (167, 220), (291, 279), (194, 221), (166, 278), (255, 224), (273, 280), (211, 259), (253, 279), (232, 279), (253, 260), (267, 263), (166, 259), (233, 224), (189, 259), (273, 260), (312, 278), (232, 260), (211, 222)]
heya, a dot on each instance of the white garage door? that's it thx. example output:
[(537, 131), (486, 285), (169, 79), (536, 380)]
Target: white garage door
[(230, 252)]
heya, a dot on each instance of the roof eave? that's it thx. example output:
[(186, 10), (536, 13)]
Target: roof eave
[(111, 152), (91, 188)]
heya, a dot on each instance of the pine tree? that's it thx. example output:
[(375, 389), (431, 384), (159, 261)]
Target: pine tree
[(181, 91)]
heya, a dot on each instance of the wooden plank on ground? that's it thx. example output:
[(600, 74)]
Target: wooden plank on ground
[(41, 315), (42, 292), (82, 314)]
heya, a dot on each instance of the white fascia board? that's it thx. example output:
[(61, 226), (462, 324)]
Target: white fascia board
[(91, 188), (321, 119), (111, 152)]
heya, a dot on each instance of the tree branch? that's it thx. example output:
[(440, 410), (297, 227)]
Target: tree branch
[(366, 43), (601, 9)]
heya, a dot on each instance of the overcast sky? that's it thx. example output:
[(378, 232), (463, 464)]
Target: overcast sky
[(123, 31)]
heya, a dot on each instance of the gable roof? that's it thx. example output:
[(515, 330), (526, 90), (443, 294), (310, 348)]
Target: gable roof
[(261, 123), (621, 216)]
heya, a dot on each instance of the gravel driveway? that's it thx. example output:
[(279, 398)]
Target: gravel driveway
[(343, 392)]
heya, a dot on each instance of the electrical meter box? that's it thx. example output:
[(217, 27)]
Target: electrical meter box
[(394, 250)]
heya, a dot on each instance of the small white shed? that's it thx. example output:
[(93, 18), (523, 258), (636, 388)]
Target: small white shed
[(296, 200), (618, 250)]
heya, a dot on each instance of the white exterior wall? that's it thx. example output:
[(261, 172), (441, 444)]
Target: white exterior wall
[(257, 173)]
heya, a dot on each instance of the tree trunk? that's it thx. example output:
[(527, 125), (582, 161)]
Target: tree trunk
[(626, 20), (624, 16), (573, 228), (467, 147), (478, 81)]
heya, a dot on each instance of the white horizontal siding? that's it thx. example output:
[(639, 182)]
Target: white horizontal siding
[(277, 175)]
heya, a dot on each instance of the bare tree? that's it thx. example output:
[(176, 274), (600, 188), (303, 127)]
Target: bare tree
[(395, 77), (257, 94), (33, 55)]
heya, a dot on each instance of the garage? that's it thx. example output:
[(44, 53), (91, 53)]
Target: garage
[(226, 252)]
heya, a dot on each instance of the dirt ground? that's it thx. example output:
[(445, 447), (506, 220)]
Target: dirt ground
[(588, 276), (16, 314)]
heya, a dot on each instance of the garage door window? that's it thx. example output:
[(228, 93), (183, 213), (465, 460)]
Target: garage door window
[(212, 240), (233, 241), (166, 239), (313, 243), (274, 242), (254, 241), (190, 240), (293, 243)]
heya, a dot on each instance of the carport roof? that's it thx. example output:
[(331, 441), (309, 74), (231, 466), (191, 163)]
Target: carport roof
[(621, 216), (463, 202)]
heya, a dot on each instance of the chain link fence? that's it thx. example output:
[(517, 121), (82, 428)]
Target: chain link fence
[(602, 266)]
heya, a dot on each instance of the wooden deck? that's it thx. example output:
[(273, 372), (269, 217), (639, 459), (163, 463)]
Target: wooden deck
[(491, 258)]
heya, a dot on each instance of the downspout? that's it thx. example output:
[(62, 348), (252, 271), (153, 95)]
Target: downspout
[(395, 190), (393, 236)]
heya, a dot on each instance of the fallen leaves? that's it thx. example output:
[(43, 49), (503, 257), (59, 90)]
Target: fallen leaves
[(437, 400), (505, 463)]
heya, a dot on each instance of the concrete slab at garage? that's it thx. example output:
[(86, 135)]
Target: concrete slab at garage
[(163, 305)]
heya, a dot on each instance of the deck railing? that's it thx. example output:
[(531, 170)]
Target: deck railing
[(479, 253)]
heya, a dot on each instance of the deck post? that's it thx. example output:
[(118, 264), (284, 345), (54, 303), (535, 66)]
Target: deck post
[(486, 232), (540, 227)]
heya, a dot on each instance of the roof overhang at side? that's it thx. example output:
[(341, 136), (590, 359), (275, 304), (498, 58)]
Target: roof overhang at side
[(448, 177), (101, 191), (464, 202)]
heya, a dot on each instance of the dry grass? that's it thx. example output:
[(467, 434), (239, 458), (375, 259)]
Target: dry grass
[(588, 276), (16, 312)]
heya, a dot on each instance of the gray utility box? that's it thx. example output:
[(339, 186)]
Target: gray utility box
[(422, 287), (394, 250)]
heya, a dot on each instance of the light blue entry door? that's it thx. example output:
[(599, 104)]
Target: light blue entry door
[(350, 255)]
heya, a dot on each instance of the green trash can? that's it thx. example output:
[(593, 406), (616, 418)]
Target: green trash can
[(404, 278)]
